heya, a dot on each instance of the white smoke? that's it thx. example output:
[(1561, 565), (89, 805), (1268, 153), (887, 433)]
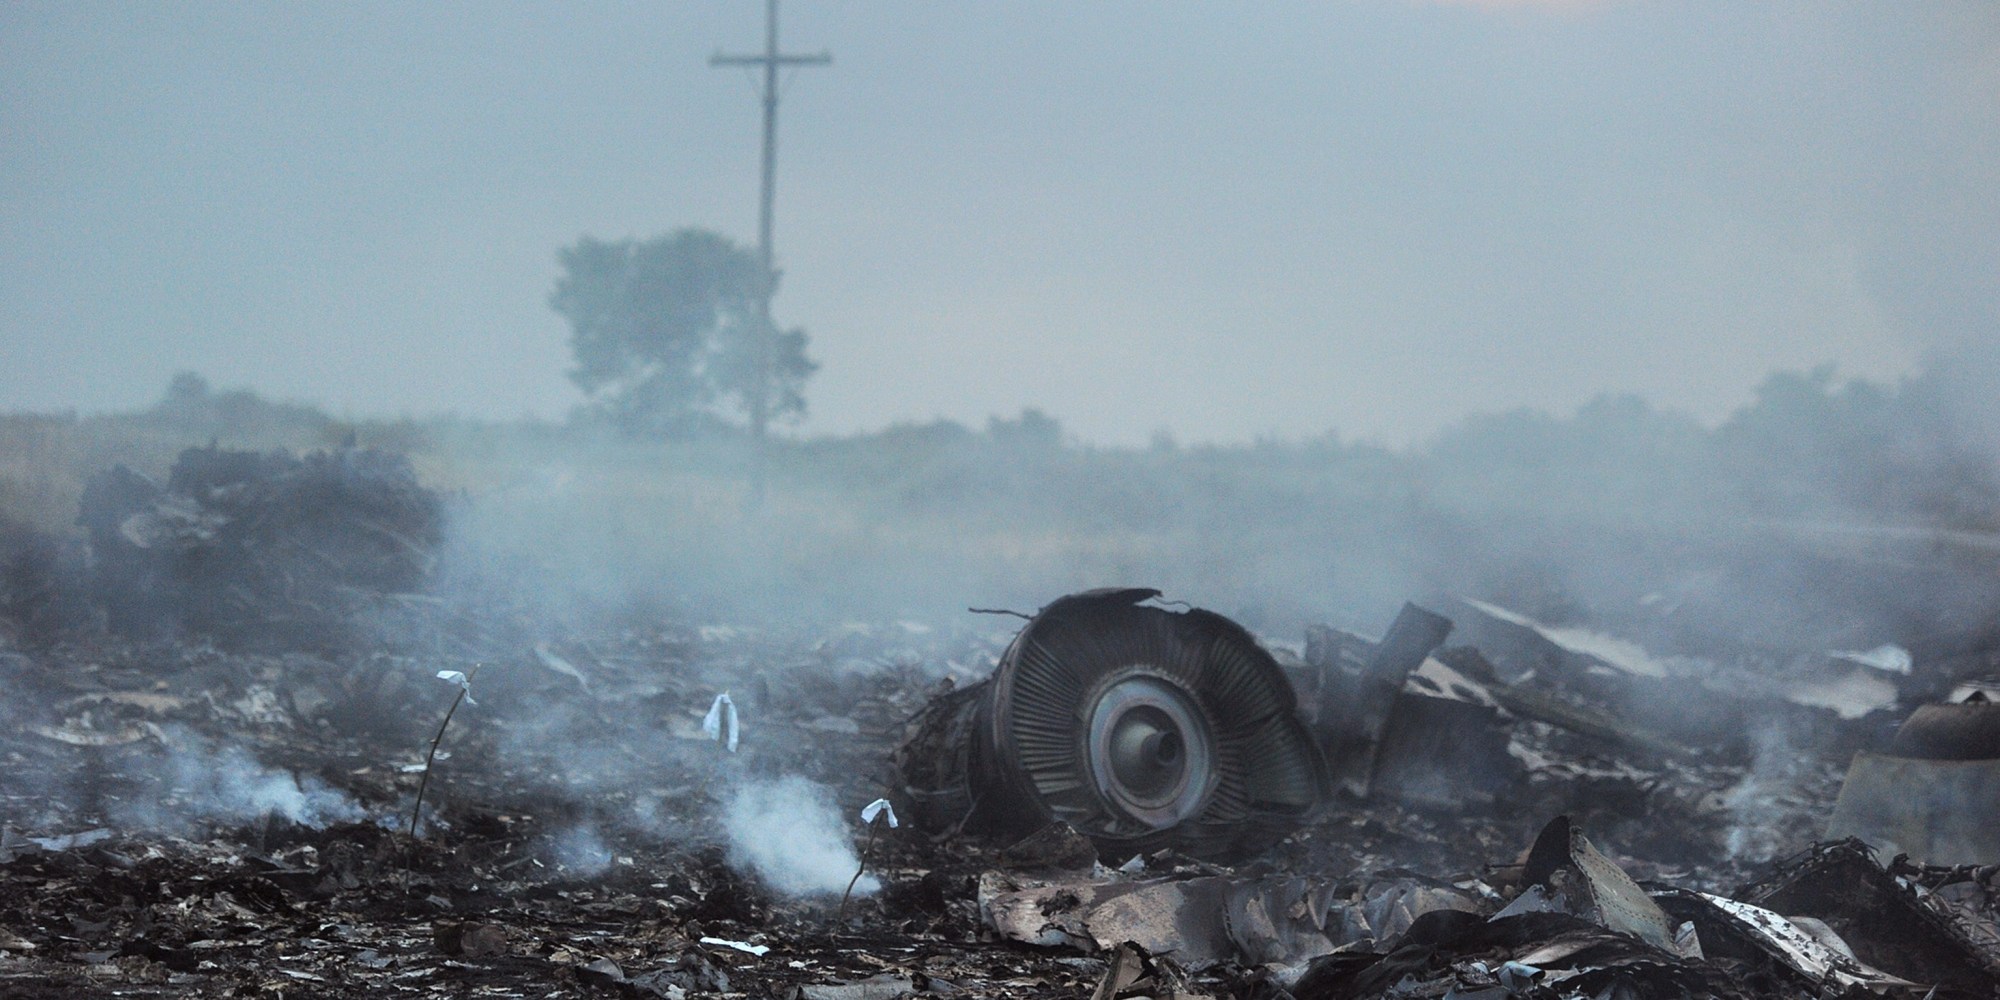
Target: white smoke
[(582, 850), (1757, 804), (790, 833), (206, 782)]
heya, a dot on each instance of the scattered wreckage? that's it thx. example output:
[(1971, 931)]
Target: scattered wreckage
[(1144, 727), (1139, 800), (1565, 918), (1117, 731)]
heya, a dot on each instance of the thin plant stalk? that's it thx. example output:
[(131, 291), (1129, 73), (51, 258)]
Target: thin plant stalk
[(430, 757), (865, 848)]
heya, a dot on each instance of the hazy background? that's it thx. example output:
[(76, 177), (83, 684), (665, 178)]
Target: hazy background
[(1224, 222)]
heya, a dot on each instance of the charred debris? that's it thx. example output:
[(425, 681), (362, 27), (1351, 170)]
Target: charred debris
[(260, 549), (218, 710), (1145, 729)]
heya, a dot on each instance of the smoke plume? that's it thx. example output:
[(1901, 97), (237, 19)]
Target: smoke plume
[(789, 832), (204, 782)]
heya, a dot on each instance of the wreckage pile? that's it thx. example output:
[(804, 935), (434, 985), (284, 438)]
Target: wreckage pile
[(1124, 798), (1397, 729), (262, 549), (578, 846), (1565, 921)]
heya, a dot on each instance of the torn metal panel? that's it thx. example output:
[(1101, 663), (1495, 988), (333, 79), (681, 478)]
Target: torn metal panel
[(1879, 916), (1803, 952), (1355, 706), (1264, 919), (1944, 812), (1203, 921), (1580, 880), (1184, 918)]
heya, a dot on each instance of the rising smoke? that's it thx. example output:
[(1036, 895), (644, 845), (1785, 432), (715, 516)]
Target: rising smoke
[(200, 781), (790, 834), (581, 850)]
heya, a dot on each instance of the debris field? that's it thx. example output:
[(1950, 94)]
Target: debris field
[(1490, 806)]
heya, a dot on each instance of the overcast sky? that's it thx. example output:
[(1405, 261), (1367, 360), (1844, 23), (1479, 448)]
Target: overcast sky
[(1221, 220)]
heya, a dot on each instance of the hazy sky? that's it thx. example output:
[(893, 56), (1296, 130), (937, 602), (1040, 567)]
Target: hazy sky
[(1224, 220)]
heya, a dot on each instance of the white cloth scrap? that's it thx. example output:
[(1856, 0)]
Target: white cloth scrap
[(877, 808), (1889, 658), (721, 714), (742, 946), (458, 677)]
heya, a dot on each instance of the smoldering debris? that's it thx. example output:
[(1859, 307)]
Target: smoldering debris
[(202, 781), (1356, 693), (535, 879), (789, 833), (524, 874), (1567, 919), (262, 550), (1479, 801), (1350, 720), (581, 850)]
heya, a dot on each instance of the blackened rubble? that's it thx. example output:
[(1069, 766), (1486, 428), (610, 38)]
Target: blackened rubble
[(1389, 725), (263, 549), (220, 814), (506, 896)]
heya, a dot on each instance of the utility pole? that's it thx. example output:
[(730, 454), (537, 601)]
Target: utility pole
[(766, 333)]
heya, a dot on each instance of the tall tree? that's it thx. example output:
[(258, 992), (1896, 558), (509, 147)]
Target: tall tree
[(665, 332)]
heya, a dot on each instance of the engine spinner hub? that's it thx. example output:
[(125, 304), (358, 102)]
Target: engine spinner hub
[(1150, 750)]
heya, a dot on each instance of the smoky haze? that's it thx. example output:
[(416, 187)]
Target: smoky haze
[(1297, 315), (1676, 322), (1366, 219)]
